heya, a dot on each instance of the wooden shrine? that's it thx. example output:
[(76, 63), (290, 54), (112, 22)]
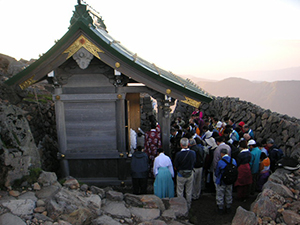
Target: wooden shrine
[(98, 83)]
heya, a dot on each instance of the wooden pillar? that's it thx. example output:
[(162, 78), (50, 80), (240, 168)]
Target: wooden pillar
[(121, 112), (164, 121), (121, 129)]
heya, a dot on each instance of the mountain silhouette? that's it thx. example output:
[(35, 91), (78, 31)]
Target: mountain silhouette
[(278, 96)]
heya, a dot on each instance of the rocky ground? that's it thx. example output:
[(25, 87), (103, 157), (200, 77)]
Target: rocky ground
[(204, 210), (47, 201)]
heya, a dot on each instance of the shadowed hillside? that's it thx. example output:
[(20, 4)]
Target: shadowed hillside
[(279, 96)]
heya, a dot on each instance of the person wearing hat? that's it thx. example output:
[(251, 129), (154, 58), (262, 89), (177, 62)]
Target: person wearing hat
[(244, 177), (210, 146), (241, 126), (220, 128), (254, 164)]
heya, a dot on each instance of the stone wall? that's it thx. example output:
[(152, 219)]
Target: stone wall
[(283, 129), (278, 203)]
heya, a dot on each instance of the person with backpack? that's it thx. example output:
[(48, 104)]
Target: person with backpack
[(217, 156), (275, 153), (226, 174), (198, 168)]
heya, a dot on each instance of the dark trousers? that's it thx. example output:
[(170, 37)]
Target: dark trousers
[(139, 186), (254, 183), (243, 191)]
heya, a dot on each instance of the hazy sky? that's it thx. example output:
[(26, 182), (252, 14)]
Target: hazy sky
[(192, 37)]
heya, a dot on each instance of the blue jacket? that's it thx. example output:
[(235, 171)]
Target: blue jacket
[(255, 160), (234, 136), (220, 168), (250, 132)]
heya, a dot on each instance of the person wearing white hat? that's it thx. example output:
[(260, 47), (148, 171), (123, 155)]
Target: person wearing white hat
[(220, 127), (254, 164)]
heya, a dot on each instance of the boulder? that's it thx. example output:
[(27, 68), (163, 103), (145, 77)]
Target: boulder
[(82, 216), (98, 191), (291, 217), (279, 188), (47, 178), (244, 217), (156, 222), (145, 214), (66, 201), (114, 196), (71, 183), (48, 191), (20, 206), (145, 201), (9, 218), (264, 207), (116, 208), (104, 220), (296, 152), (179, 206), (28, 195)]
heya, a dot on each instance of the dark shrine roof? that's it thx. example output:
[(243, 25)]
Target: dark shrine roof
[(88, 21)]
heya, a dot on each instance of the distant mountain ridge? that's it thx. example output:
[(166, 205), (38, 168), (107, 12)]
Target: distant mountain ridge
[(292, 73), (278, 96)]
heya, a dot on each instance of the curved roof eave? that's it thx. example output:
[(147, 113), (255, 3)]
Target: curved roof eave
[(102, 38)]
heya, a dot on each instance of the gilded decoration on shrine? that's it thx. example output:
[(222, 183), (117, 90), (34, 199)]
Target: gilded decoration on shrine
[(82, 41), (191, 102), (27, 83)]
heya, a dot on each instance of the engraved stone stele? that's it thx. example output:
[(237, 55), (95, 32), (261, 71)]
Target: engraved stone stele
[(83, 58)]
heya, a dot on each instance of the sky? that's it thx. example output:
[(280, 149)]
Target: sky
[(208, 39)]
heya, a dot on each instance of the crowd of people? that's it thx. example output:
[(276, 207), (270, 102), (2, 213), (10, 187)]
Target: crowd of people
[(201, 149)]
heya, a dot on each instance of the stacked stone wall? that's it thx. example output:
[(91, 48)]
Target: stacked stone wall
[(283, 129)]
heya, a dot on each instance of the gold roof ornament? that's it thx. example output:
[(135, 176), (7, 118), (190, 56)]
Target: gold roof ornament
[(27, 83), (82, 41), (168, 91), (191, 102)]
